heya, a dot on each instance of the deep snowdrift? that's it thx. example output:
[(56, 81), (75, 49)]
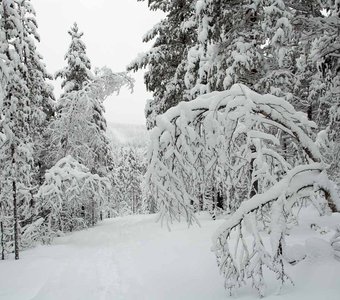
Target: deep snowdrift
[(134, 258)]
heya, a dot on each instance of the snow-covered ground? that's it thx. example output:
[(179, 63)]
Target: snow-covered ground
[(134, 258)]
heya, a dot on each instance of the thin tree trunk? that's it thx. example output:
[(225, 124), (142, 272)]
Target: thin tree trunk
[(201, 202), (255, 186), (93, 212), (15, 210), (331, 204), (2, 241), (220, 200), (133, 202), (310, 112), (15, 217)]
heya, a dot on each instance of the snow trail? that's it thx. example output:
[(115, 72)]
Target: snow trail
[(134, 258), (123, 258)]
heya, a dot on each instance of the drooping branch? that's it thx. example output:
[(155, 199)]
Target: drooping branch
[(235, 140), (216, 124)]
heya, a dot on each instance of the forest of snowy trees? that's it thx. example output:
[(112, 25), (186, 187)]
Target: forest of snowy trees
[(246, 121), (59, 172), (244, 124)]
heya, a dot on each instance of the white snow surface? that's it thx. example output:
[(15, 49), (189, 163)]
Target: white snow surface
[(135, 258)]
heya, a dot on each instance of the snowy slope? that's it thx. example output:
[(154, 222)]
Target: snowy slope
[(134, 258), (127, 134)]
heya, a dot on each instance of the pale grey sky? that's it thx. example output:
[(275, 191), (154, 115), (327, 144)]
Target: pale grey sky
[(113, 31)]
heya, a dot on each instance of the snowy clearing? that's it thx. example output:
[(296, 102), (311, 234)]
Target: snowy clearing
[(134, 258)]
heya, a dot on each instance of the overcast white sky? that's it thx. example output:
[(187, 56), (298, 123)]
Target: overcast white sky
[(113, 31)]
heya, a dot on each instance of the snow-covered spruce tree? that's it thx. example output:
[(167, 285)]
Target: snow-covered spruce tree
[(325, 83), (79, 126), (41, 110), (227, 48), (127, 178), (233, 137), (78, 129), (77, 105), (167, 58), (252, 42), (16, 151), (40, 92), (78, 69)]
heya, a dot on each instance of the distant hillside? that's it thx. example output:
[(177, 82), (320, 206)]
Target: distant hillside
[(127, 134)]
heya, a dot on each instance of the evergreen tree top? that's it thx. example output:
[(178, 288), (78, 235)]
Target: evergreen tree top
[(78, 69), (74, 31)]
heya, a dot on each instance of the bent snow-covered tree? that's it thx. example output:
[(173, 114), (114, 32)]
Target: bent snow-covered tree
[(233, 141), (73, 196)]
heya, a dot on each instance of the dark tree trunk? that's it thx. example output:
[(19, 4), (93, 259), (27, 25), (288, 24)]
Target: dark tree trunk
[(255, 186), (93, 215), (331, 204), (310, 112), (2, 241), (15, 209), (220, 200), (201, 202), (15, 217)]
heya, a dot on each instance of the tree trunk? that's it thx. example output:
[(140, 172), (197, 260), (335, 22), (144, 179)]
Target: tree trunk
[(93, 221), (201, 202), (2, 241), (15, 208), (255, 186), (330, 202), (153, 206), (310, 112), (133, 203), (220, 200), (15, 217)]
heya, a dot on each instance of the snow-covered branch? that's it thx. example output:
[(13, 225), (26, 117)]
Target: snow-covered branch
[(73, 195), (107, 83), (245, 146), (280, 198)]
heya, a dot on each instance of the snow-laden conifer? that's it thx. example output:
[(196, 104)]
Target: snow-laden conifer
[(325, 81), (127, 178), (78, 130), (166, 60), (26, 101), (77, 72), (16, 191)]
